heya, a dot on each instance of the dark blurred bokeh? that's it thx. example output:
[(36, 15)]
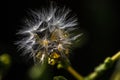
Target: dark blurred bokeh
[(99, 19)]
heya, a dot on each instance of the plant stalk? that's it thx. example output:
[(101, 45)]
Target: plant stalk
[(74, 73)]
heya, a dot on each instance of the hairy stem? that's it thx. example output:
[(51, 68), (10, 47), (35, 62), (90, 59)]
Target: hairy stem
[(116, 56), (66, 65), (74, 73), (103, 67)]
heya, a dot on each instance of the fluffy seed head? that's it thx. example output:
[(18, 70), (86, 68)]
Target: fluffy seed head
[(48, 34)]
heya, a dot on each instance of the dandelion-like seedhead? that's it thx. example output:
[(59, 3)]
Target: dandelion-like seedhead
[(49, 34)]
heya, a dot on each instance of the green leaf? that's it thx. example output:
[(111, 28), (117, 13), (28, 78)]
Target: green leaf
[(59, 78)]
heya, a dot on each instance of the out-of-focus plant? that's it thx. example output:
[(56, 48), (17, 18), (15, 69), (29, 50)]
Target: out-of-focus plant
[(5, 62), (116, 73), (37, 71), (99, 70), (59, 78)]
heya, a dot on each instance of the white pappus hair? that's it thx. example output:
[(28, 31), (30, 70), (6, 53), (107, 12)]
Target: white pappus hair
[(49, 31)]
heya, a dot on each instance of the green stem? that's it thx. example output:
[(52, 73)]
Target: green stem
[(116, 56), (98, 70), (66, 65), (74, 73), (103, 67)]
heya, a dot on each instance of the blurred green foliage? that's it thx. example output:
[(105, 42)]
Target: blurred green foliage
[(37, 71), (5, 62), (59, 78), (40, 72), (116, 73)]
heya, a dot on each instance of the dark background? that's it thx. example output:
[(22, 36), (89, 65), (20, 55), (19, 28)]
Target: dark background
[(98, 18)]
